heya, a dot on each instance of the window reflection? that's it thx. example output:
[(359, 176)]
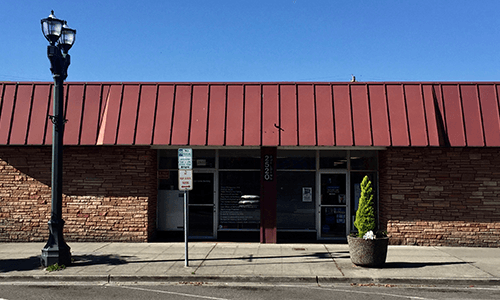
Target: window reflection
[(239, 195), (239, 159), (296, 160), (364, 160), (333, 159), (296, 200)]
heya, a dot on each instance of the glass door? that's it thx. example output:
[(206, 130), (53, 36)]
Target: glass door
[(333, 206), (201, 206)]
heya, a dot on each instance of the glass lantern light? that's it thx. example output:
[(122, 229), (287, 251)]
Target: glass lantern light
[(52, 28), (67, 38)]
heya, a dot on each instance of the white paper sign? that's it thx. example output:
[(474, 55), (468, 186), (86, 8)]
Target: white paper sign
[(185, 180)]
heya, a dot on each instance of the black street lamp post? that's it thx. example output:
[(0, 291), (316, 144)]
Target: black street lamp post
[(56, 31)]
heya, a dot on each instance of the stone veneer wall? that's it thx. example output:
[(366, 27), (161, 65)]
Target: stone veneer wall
[(109, 193), (441, 196)]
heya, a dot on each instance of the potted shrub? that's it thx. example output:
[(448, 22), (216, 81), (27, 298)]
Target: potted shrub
[(367, 248)]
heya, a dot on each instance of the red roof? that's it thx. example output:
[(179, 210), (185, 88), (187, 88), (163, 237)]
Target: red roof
[(256, 114)]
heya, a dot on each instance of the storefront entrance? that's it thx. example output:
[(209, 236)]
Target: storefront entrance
[(202, 206), (317, 192), (333, 206)]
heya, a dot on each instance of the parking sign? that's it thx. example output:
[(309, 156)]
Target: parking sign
[(185, 158)]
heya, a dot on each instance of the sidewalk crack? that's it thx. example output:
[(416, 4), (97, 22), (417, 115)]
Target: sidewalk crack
[(336, 264), (204, 259), (467, 262), (105, 245)]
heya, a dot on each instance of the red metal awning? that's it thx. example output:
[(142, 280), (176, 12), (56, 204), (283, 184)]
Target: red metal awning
[(256, 114)]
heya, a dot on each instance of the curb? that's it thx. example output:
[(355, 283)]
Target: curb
[(414, 281), (102, 279)]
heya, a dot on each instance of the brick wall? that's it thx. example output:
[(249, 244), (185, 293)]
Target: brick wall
[(441, 196), (109, 193)]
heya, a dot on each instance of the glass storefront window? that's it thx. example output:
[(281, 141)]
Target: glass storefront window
[(168, 180), (299, 184), (296, 160), (364, 160), (239, 200), (202, 159), (201, 219), (239, 159), (167, 159), (333, 205), (296, 205), (201, 205), (333, 189), (204, 191), (333, 159), (333, 222)]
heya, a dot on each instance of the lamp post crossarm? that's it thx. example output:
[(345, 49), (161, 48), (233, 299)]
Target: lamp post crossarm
[(59, 62)]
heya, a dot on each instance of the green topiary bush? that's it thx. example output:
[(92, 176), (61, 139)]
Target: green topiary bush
[(365, 215)]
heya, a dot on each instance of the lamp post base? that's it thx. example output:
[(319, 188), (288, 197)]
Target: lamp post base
[(56, 250)]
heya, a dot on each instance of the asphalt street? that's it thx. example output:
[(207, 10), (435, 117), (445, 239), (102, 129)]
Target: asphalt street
[(240, 291)]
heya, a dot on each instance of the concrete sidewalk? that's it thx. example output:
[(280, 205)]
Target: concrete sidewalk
[(251, 262)]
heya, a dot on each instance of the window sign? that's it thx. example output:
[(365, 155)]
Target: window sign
[(357, 195), (307, 194), (332, 190)]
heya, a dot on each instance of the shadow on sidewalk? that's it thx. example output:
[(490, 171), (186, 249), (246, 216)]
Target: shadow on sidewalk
[(407, 265), (91, 260), (250, 258), (319, 257), (20, 264), (82, 260), (33, 262)]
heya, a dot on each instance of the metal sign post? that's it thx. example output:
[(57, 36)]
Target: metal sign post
[(185, 162), (186, 258)]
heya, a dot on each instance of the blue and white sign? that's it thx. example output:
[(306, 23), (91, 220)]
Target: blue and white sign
[(185, 156)]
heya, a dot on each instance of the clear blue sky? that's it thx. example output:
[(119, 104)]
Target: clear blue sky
[(254, 40)]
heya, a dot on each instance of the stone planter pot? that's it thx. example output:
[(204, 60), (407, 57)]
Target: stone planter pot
[(368, 253)]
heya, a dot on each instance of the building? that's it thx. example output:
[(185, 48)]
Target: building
[(269, 159)]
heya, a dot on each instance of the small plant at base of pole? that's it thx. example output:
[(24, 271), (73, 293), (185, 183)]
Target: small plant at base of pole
[(55, 267)]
